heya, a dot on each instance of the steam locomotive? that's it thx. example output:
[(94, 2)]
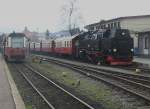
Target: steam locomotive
[(114, 47)]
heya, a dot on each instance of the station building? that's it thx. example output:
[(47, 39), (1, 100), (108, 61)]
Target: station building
[(139, 27)]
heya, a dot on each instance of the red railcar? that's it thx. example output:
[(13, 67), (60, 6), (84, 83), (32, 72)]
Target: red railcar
[(14, 48), (65, 45)]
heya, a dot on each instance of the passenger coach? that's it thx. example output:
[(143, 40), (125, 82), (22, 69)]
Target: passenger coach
[(65, 45)]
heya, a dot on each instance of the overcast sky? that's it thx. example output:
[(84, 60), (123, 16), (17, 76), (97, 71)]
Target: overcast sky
[(45, 14)]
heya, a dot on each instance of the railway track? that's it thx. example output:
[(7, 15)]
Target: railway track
[(142, 69), (52, 94), (135, 87)]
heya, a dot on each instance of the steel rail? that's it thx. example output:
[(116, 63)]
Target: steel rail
[(95, 68), (106, 81), (46, 78), (34, 87)]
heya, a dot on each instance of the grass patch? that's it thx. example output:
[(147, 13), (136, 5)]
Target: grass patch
[(92, 89)]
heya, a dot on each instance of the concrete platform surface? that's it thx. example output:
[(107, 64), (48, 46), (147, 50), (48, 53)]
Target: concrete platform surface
[(9, 95), (142, 60)]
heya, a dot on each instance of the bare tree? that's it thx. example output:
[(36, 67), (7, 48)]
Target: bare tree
[(71, 15), (47, 34)]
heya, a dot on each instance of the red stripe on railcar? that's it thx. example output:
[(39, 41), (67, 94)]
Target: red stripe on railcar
[(18, 53), (46, 49), (64, 50), (37, 49)]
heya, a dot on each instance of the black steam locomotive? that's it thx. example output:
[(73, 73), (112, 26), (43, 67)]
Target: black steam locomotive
[(113, 47)]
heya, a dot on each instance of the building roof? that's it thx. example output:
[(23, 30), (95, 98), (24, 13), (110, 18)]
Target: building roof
[(119, 18), (17, 35)]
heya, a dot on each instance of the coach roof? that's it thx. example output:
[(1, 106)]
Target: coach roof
[(66, 38)]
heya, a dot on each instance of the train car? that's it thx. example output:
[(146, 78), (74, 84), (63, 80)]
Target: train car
[(114, 47), (65, 45), (44, 46), (47, 46), (14, 48)]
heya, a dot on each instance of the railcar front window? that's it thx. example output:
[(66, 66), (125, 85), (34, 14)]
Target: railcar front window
[(17, 42)]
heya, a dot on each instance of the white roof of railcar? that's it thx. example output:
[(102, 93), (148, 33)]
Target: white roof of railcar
[(44, 41), (47, 41), (68, 38)]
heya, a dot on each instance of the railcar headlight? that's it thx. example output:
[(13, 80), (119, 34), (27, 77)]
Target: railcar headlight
[(123, 33), (114, 50), (132, 50)]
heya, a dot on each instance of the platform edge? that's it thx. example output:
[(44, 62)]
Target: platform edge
[(14, 91)]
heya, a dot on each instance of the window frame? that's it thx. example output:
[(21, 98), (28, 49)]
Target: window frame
[(146, 42)]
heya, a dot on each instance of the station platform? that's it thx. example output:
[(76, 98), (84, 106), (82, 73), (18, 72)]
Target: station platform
[(9, 95), (140, 60)]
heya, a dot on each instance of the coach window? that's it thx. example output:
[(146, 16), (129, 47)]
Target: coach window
[(65, 43), (70, 44), (59, 44)]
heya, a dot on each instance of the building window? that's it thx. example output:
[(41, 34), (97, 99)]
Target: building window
[(118, 24), (92, 28), (111, 25), (97, 28), (104, 26), (146, 42), (115, 25)]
